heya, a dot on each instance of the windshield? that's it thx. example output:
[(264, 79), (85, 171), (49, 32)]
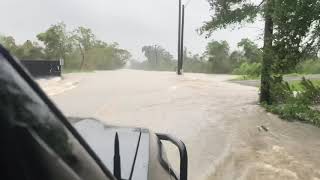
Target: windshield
[(238, 81), (21, 107)]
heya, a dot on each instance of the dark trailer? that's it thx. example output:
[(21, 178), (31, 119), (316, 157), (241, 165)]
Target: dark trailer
[(43, 68)]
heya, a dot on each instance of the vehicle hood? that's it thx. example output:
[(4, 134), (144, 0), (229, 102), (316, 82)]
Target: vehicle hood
[(101, 138)]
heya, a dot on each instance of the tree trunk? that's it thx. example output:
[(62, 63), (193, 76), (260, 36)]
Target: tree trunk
[(265, 95), (82, 55)]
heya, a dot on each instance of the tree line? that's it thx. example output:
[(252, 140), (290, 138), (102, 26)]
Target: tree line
[(80, 49), (216, 59)]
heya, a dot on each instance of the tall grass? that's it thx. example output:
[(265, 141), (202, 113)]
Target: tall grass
[(309, 67)]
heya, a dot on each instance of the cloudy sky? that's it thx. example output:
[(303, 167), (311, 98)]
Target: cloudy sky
[(131, 23)]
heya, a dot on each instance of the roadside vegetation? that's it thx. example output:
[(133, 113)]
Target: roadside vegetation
[(291, 45), (80, 49), (311, 66), (297, 101)]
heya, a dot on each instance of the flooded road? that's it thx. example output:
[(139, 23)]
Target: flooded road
[(219, 121)]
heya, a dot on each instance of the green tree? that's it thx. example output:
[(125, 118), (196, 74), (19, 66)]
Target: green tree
[(218, 55), (85, 40), (158, 58), (121, 57), (296, 37), (194, 63), (251, 51), (106, 57), (230, 12), (9, 43), (150, 54), (57, 41), (236, 58), (30, 51)]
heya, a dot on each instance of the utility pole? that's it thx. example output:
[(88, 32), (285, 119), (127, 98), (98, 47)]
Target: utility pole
[(179, 39), (156, 53), (182, 38)]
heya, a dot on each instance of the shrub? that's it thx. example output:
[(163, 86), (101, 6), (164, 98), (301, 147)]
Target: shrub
[(310, 92), (281, 92), (248, 69), (295, 111), (291, 106), (305, 92), (309, 67)]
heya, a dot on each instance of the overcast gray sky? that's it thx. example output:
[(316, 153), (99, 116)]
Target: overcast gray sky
[(131, 23)]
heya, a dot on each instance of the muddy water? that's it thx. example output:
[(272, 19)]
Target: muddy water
[(281, 150), (219, 121)]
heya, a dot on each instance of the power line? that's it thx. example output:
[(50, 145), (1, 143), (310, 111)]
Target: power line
[(186, 4)]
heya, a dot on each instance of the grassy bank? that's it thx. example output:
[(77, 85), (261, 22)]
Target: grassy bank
[(295, 112), (296, 85)]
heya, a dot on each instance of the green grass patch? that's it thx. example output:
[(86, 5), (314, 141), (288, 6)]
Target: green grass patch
[(310, 67), (297, 86)]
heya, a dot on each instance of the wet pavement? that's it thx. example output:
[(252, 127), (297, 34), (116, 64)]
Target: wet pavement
[(227, 134)]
